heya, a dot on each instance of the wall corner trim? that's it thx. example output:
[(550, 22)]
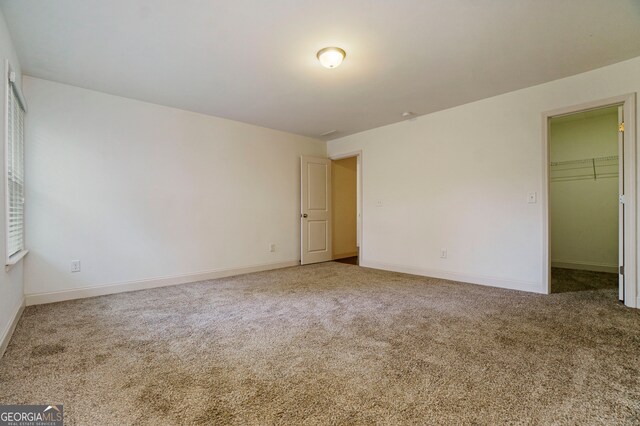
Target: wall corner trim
[(7, 333), (511, 284), (105, 289)]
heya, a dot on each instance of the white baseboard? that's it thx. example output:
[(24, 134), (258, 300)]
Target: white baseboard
[(530, 286), (101, 290), (8, 331), (345, 255), (585, 266)]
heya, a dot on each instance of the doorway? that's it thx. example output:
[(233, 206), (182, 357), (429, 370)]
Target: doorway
[(331, 209), (584, 189), (344, 214), (589, 197)]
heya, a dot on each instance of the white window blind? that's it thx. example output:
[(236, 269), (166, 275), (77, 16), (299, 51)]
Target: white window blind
[(15, 172)]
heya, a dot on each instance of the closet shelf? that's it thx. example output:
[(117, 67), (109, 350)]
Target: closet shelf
[(585, 169)]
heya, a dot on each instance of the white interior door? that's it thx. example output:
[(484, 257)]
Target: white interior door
[(315, 211), (621, 204)]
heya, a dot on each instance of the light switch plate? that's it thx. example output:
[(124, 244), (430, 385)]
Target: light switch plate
[(532, 198), (379, 203)]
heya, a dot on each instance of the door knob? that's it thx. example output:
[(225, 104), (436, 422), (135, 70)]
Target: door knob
[(305, 215)]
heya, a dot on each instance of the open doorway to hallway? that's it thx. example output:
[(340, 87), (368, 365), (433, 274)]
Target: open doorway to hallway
[(345, 209)]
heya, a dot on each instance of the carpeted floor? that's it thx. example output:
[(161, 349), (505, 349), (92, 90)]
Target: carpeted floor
[(566, 280), (330, 344)]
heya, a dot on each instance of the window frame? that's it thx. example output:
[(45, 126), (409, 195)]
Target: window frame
[(11, 85)]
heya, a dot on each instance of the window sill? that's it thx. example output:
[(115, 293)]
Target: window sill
[(13, 260)]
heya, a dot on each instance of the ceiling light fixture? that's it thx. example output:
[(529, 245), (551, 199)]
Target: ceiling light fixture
[(331, 57)]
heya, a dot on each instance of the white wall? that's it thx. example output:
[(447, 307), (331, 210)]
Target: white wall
[(458, 179), (11, 290), (583, 213), (138, 191)]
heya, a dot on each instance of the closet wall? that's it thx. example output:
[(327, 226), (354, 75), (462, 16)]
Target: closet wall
[(584, 190)]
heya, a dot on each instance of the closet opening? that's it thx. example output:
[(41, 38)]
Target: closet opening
[(584, 189), (590, 200)]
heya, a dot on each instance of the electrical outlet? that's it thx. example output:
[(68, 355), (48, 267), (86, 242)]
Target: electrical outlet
[(75, 266), (443, 253), (272, 247)]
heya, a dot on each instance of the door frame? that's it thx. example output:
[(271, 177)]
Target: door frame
[(628, 101), (358, 155)]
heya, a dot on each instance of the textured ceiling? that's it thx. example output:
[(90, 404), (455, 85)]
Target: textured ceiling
[(254, 60)]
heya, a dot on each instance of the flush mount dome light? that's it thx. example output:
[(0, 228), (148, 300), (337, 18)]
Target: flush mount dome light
[(331, 57)]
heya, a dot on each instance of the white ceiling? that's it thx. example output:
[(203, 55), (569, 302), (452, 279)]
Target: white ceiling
[(254, 60)]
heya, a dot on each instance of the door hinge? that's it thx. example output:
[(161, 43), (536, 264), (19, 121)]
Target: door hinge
[(621, 127), (622, 270), (621, 199)]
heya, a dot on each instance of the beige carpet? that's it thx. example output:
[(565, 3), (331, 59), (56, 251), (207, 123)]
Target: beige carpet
[(330, 344), (566, 280)]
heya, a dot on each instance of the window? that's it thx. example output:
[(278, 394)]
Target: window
[(14, 152)]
